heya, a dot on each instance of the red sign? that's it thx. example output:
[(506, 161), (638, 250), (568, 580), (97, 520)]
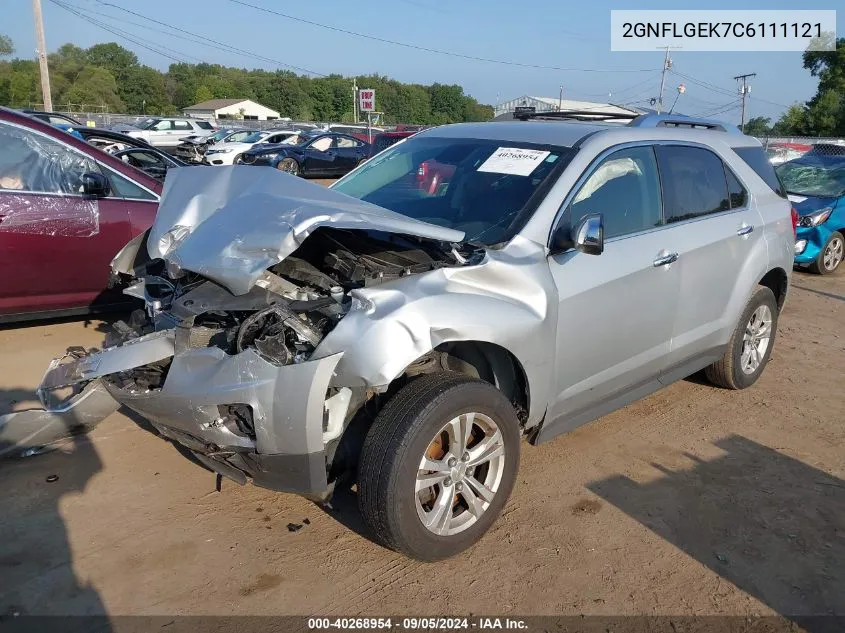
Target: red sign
[(367, 100)]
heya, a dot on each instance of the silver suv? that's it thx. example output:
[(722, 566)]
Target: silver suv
[(466, 288)]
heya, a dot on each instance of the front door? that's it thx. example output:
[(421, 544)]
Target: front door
[(616, 310), (55, 243), (319, 156)]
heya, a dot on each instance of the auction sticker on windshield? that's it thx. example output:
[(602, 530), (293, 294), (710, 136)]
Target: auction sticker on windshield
[(513, 160)]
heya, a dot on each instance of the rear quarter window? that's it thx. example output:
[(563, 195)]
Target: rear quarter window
[(204, 125), (756, 158)]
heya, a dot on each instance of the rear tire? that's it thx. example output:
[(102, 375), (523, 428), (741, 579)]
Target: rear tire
[(423, 488), (830, 256), (288, 165), (751, 344)]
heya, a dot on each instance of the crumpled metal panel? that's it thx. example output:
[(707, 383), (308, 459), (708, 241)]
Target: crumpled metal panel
[(232, 223), (509, 299)]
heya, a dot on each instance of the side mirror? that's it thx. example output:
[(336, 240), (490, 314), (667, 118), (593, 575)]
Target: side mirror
[(95, 185), (588, 236)]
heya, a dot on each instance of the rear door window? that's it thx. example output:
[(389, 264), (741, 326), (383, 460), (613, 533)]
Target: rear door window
[(738, 194), (694, 182), (182, 125), (756, 158)]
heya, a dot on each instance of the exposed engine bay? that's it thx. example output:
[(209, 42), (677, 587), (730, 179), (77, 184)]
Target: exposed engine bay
[(292, 307)]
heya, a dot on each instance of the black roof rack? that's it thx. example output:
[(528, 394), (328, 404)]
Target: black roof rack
[(577, 115)]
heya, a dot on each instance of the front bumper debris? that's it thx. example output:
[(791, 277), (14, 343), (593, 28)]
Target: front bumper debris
[(35, 428), (280, 447)]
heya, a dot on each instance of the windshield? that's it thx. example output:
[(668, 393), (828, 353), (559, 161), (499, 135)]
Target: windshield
[(481, 187), (219, 136), (814, 176), (254, 137), (147, 124)]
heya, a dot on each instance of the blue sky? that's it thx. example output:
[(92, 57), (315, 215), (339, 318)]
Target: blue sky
[(550, 32)]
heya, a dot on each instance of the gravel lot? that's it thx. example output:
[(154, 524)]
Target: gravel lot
[(693, 501)]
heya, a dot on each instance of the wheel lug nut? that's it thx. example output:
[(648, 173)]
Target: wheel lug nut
[(447, 482), (459, 486), (465, 457), (452, 461)]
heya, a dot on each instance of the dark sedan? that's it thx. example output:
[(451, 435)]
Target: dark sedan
[(321, 155)]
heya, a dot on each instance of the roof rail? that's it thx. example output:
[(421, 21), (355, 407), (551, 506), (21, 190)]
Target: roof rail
[(681, 120), (577, 115)]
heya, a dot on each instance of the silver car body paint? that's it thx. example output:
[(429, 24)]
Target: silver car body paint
[(589, 332), (238, 221)]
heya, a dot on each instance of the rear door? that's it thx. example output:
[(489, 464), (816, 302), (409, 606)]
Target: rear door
[(716, 229), (348, 151), (616, 310), (55, 242)]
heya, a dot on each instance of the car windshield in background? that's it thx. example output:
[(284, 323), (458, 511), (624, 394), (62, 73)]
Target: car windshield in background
[(480, 187), (219, 136), (253, 138), (147, 124), (814, 176)]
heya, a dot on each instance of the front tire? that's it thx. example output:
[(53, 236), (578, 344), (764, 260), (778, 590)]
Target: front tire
[(438, 465), (751, 344), (830, 256)]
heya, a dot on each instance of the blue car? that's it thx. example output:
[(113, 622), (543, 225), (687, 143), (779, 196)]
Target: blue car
[(815, 184)]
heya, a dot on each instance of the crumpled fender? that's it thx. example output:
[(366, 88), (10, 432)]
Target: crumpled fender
[(393, 324)]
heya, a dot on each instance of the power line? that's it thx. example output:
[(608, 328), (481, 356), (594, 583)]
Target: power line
[(150, 46), (724, 91), (434, 50), (212, 43)]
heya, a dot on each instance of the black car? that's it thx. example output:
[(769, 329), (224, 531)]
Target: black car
[(135, 151), (53, 118), (321, 155)]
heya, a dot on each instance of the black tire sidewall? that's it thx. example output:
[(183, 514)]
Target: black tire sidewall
[(761, 296), (463, 398)]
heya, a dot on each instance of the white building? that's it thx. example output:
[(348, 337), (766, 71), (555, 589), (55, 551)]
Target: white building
[(231, 109), (553, 104)]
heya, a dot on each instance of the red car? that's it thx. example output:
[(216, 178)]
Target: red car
[(66, 209)]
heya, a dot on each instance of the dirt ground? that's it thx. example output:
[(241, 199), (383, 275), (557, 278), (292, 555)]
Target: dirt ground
[(693, 501)]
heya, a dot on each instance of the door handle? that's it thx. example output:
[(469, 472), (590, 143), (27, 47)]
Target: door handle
[(745, 230), (664, 259)]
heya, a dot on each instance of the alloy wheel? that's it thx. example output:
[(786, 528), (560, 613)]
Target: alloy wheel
[(755, 341), (460, 473), (833, 254)]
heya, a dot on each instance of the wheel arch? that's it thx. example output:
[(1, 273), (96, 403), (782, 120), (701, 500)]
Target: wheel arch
[(777, 281)]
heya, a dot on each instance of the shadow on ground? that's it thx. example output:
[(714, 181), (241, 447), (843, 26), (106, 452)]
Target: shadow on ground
[(36, 562), (768, 523)]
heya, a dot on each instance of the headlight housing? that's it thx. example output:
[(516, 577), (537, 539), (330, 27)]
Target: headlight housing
[(219, 151), (815, 218)]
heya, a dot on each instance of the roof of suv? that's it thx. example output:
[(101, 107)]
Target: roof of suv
[(570, 133)]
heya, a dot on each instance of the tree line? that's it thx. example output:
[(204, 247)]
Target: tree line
[(824, 114), (109, 77)]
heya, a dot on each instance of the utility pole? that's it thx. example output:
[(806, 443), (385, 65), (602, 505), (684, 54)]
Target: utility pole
[(667, 65), (744, 89), (560, 101), (355, 100), (41, 43)]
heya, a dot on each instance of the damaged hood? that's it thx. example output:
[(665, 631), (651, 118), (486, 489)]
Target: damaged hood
[(230, 224)]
